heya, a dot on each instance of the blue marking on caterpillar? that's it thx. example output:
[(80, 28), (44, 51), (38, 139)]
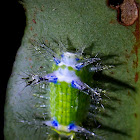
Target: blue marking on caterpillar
[(71, 126), (76, 85), (79, 66), (55, 123), (77, 59), (51, 78), (56, 61)]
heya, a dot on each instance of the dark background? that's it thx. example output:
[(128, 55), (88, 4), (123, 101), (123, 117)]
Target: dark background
[(13, 23)]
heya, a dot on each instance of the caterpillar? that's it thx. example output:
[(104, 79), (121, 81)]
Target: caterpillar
[(70, 89)]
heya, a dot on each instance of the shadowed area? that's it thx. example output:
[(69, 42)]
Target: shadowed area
[(15, 24)]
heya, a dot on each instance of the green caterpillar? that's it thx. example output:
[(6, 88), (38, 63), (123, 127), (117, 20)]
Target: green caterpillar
[(70, 90)]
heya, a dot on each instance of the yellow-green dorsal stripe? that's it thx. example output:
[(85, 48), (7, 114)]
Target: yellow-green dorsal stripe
[(63, 102), (67, 104)]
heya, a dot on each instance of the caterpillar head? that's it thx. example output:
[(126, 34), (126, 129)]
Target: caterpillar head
[(69, 59)]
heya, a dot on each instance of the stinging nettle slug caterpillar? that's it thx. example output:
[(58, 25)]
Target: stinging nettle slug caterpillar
[(70, 89)]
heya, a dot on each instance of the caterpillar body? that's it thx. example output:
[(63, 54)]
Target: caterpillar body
[(71, 90)]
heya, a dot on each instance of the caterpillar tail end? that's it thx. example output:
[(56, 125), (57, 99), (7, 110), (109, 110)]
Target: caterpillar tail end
[(70, 130)]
